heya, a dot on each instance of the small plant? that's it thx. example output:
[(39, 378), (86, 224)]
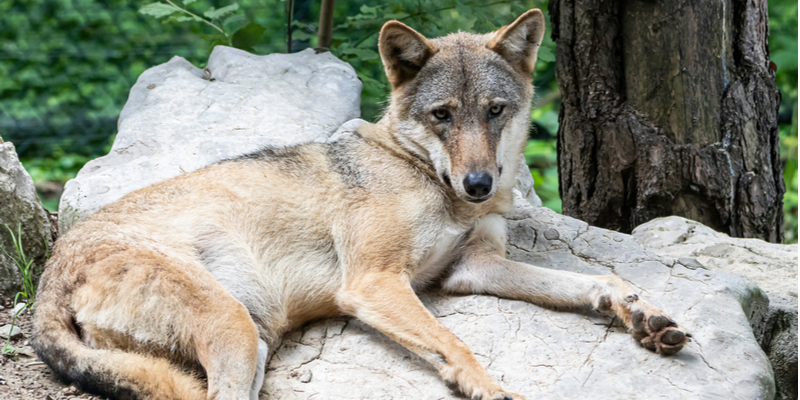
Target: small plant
[(8, 349), (213, 18), (25, 267)]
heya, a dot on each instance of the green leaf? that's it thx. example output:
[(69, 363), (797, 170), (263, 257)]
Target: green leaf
[(369, 10), (362, 54), (367, 80), (298, 24), (299, 34), (9, 350), (211, 13), (546, 54), (158, 10), (184, 18), (395, 15), (464, 11), (187, 2), (248, 36), (233, 19), (785, 59)]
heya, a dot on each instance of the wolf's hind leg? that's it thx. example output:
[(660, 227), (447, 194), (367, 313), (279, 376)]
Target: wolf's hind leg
[(227, 345), (483, 269), (175, 305)]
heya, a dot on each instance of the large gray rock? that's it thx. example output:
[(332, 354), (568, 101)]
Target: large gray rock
[(524, 185), (773, 267), (19, 207), (180, 118), (546, 354)]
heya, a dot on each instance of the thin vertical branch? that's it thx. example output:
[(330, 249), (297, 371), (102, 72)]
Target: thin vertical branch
[(289, 18), (325, 24)]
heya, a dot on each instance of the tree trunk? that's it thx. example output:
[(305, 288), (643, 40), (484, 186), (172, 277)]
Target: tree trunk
[(668, 108)]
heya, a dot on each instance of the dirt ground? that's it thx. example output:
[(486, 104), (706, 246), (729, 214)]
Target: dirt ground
[(25, 376)]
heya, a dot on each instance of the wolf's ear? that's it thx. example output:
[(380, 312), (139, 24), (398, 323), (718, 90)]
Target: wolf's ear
[(403, 51), (519, 42)]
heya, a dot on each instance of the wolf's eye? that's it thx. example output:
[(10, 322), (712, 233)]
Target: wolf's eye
[(441, 114), (495, 111)]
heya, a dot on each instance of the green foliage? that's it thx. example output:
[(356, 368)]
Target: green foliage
[(61, 168), (783, 49), (213, 14), (783, 52), (180, 14), (56, 170), (248, 36), (540, 155), (66, 68), (788, 136), (25, 267)]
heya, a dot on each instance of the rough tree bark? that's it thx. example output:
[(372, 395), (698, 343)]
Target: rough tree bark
[(668, 108)]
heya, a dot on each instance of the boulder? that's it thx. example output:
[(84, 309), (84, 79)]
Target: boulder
[(773, 267), (20, 207), (179, 118), (524, 184)]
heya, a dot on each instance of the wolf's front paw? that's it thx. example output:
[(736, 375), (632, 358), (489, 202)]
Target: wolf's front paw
[(656, 331), (496, 395), (491, 391)]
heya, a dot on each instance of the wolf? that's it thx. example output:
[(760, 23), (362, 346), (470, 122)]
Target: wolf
[(178, 290)]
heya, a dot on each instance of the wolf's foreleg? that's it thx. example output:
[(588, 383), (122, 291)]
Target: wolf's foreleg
[(261, 365), (386, 301), (483, 268)]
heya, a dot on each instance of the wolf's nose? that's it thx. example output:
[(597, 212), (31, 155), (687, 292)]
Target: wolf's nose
[(478, 184)]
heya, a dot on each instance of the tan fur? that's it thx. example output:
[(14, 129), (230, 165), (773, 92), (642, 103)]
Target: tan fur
[(187, 278)]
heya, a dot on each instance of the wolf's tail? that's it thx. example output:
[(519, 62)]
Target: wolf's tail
[(112, 373)]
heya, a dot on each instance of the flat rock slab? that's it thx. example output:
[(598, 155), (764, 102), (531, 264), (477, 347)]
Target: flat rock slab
[(179, 118), (772, 266), (546, 354)]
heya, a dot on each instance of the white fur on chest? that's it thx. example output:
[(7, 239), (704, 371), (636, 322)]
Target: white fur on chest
[(438, 255)]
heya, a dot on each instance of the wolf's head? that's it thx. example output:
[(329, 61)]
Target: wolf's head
[(463, 101)]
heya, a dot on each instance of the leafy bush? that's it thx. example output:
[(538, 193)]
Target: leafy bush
[(71, 64)]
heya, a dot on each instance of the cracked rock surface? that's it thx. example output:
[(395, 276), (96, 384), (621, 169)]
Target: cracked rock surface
[(179, 118), (773, 267), (547, 354)]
